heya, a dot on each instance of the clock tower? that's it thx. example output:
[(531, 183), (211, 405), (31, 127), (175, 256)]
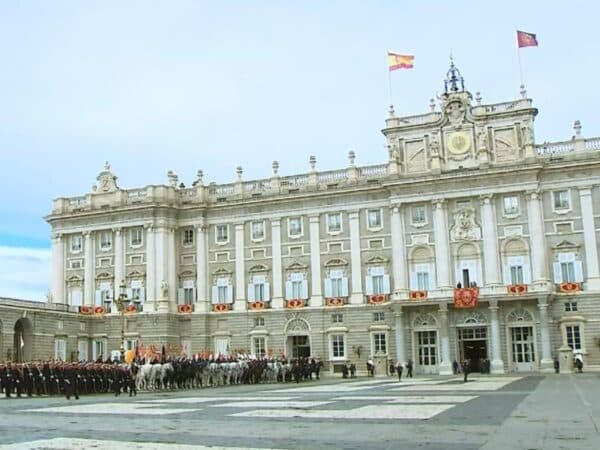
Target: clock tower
[(462, 135)]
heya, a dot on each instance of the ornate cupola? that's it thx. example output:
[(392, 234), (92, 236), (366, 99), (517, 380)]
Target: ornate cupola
[(454, 81)]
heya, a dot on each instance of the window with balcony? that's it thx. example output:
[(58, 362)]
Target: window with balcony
[(511, 205)]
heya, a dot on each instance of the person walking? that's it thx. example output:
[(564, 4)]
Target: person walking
[(399, 370), (409, 368), (466, 369)]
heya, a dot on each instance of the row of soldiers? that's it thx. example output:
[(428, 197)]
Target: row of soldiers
[(62, 378)]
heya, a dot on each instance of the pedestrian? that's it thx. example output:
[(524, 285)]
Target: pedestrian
[(352, 370), (392, 368), (466, 368), (409, 368), (455, 367), (399, 370), (579, 362), (345, 371), (556, 365)]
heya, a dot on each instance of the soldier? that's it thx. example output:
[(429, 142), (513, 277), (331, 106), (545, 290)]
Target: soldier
[(3, 379), (28, 379), (70, 382), (133, 370)]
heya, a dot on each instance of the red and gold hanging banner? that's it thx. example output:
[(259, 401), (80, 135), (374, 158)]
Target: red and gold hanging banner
[(295, 303), (377, 299), (221, 307), (466, 297), (517, 289), (417, 295), (99, 310), (335, 301), (185, 309), (85, 310), (569, 287), (257, 305), (130, 309)]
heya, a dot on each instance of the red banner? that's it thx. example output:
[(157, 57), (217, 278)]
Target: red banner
[(466, 297)]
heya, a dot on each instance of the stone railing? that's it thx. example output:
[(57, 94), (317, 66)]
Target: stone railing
[(379, 170), (332, 176), (592, 144), (554, 148), (496, 108), (78, 202), (408, 121), (137, 194), (294, 181)]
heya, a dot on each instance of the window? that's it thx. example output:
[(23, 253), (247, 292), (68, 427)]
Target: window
[(377, 282), (571, 306), (75, 244), (98, 350), (105, 240), (511, 205), (337, 346), (516, 274), (379, 316), (427, 348), (76, 297), (337, 318), (75, 264), (567, 269), (136, 237), (188, 237), (258, 289), (222, 296), (258, 230), (259, 321), (561, 199), (573, 337), (379, 343), (334, 223), (374, 219), (295, 226), (188, 294), (422, 281), (222, 234), (259, 346), (296, 287), (336, 285), (418, 215), (60, 349), (103, 295)]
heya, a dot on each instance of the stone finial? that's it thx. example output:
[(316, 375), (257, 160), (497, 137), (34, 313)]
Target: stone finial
[(351, 157), (313, 162), (577, 128), (275, 167), (478, 98), (523, 91), (94, 187), (199, 177), (432, 104), (172, 178), (391, 111), (106, 166), (239, 171)]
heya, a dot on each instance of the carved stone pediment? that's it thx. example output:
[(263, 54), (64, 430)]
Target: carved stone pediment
[(465, 228), (107, 181)]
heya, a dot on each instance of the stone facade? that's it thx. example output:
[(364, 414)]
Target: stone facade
[(350, 263)]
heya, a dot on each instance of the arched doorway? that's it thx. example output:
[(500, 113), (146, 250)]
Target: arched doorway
[(297, 338), (22, 340)]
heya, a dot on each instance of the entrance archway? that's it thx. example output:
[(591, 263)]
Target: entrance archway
[(297, 341), (22, 341)]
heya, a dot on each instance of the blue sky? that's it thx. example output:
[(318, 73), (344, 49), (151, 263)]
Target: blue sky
[(188, 85)]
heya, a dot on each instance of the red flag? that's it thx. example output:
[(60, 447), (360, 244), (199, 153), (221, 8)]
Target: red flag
[(525, 39)]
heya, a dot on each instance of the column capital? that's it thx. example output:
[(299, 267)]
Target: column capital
[(239, 226), (439, 203), (534, 194), (88, 234), (353, 214), (542, 303), (493, 304), (57, 236), (276, 222), (585, 191), (443, 308), (118, 230), (395, 208), (313, 218), (200, 227), (486, 199)]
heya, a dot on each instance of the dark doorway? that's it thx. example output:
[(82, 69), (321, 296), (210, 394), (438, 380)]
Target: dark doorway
[(300, 346), (476, 352)]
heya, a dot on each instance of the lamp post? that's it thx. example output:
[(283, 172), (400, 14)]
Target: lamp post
[(122, 301)]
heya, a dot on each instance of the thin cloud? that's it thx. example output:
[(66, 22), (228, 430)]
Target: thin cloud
[(24, 273)]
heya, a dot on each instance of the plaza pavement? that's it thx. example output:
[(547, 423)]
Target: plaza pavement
[(489, 412)]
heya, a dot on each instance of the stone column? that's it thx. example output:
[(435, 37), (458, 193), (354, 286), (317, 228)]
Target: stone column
[(162, 295), (490, 243), (316, 297), (356, 296), (202, 296), (546, 364), (58, 269), (589, 237), (496, 365), (442, 247), (277, 300), (119, 258), (151, 297), (445, 364), (399, 265), (240, 275), (172, 265), (89, 265), (399, 333), (537, 237)]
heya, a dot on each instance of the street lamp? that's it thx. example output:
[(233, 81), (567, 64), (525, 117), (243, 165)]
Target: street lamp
[(122, 301)]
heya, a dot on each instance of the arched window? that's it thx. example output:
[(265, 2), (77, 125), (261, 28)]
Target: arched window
[(516, 267), (422, 269), (468, 265)]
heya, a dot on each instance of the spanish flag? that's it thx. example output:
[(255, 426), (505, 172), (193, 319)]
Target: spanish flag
[(525, 39), (397, 61)]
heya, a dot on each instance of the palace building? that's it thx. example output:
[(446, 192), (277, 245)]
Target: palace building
[(469, 241)]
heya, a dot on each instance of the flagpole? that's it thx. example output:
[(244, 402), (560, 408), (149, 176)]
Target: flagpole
[(519, 59), (390, 88)]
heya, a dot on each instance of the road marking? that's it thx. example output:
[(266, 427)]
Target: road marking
[(377, 412), (84, 444), (269, 404), (470, 386), (212, 399), (415, 398), (112, 408)]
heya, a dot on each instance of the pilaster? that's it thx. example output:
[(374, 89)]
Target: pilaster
[(151, 297), (240, 274), (58, 269), (399, 334), (537, 236), (356, 296), (399, 265), (496, 365), (277, 300), (89, 266), (316, 298), (589, 235), (202, 297), (445, 364), (490, 242), (546, 364), (442, 246)]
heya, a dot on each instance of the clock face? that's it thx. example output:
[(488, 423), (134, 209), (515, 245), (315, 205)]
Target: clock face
[(459, 143)]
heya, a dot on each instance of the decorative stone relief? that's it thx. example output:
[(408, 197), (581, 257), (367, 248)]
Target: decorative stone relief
[(424, 320), (505, 147), (519, 315), (420, 239), (515, 230), (416, 156), (465, 228), (474, 317), (107, 182), (297, 325)]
